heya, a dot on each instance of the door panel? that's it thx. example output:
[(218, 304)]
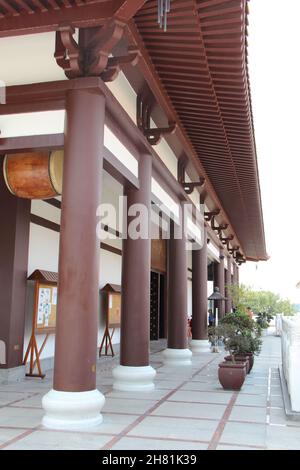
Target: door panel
[(154, 306)]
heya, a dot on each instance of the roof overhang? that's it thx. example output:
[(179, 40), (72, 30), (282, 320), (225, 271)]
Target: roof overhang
[(19, 17), (198, 73), (201, 61)]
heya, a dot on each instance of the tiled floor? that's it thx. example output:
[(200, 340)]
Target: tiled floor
[(187, 410)]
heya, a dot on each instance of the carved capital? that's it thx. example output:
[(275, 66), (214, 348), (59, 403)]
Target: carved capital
[(90, 56)]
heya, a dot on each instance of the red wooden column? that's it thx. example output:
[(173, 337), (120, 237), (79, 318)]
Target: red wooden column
[(234, 278), (74, 401), (199, 342), (177, 352), (228, 302), (14, 241), (219, 281), (134, 372)]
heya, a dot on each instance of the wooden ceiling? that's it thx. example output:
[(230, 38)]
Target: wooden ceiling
[(19, 17), (202, 63)]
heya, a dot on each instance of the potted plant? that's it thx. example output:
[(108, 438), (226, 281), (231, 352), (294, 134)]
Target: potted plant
[(248, 328), (241, 322), (239, 345), (231, 372), (263, 320), (253, 348), (213, 339)]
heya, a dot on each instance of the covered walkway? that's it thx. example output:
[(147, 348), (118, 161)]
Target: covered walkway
[(187, 410)]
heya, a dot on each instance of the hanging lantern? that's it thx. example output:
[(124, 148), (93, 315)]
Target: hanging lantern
[(164, 7)]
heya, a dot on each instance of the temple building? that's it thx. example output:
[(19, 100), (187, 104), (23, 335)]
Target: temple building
[(106, 110)]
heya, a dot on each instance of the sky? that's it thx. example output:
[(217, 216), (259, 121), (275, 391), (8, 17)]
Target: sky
[(274, 62)]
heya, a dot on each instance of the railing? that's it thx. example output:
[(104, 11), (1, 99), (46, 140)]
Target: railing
[(278, 324), (290, 341)]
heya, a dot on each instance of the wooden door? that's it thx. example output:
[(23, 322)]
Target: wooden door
[(154, 306)]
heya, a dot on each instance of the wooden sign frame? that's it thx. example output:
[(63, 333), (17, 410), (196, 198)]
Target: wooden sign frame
[(111, 304), (43, 280)]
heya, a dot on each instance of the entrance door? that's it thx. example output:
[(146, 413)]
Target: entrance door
[(154, 306), (157, 306)]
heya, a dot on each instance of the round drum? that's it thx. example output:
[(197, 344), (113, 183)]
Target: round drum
[(36, 175)]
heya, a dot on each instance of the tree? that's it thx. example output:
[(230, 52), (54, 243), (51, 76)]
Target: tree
[(260, 301)]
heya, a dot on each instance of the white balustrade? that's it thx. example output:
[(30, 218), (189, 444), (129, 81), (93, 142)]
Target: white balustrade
[(290, 341), (278, 324)]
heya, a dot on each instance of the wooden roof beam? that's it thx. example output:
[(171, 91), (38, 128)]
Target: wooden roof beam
[(26, 20)]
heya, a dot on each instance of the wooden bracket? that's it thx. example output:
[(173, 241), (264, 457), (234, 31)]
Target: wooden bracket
[(233, 250), (67, 53), (187, 186), (143, 116), (209, 215), (114, 64), (225, 240), (218, 228), (239, 258), (241, 261), (90, 56)]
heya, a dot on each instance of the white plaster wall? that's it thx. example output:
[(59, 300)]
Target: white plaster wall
[(24, 53), (38, 123), (125, 94), (112, 195), (110, 271), (168, 205), (120, 151), (210, 288), (45, 210), (43, 254), (167, 156), (213, 252), (43, 249)]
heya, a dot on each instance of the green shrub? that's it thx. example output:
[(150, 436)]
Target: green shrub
[(241, 322)]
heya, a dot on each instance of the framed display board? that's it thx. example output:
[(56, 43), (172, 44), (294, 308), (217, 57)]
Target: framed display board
[(114, 309), (111, 307), (43, 317)]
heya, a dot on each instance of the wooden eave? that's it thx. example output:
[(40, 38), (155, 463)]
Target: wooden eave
[(197, 72), (200, 67), (19, 17)]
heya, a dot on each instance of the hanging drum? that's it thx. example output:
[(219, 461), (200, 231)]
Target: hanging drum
[(36, 175)]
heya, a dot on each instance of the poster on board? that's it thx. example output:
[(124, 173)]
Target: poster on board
[(46, 308), (114, 310)]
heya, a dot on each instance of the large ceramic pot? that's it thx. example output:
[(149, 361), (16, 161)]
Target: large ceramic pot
[(241, 358), (250, 359), (232, 376)]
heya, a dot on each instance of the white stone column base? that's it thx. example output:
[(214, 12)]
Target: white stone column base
[(72, 410), (133, 379), (177, 357), (199, 346)]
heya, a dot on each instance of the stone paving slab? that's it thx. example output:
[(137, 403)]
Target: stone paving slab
[(187, 410)]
